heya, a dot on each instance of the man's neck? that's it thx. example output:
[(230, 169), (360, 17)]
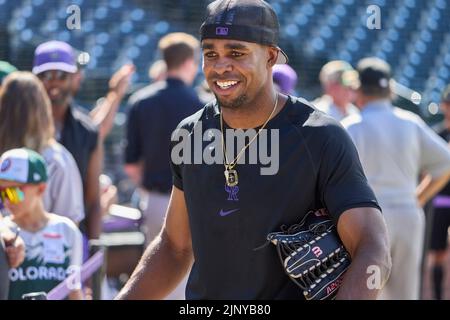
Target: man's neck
[(340, 105), (370, 99), (59, 114), (255, 113), (177, 74), (33, 220)]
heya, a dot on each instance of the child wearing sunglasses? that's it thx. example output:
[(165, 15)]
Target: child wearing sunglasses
[(53, 244)]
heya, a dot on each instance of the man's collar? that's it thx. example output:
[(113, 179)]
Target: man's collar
[(377, 105), (174, 80)]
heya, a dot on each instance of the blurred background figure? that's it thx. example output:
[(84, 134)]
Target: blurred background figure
[(337, 97), (285, 78), (53, 243), (158, 71), (441, 214), (54, 64), (154, 113), (24, 102), (396, 147)]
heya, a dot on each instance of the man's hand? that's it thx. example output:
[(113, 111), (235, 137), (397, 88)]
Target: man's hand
[(104, 113), (120, 80), (14, 248)]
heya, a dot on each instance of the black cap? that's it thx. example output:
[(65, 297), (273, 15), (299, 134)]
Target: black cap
[(446, 94), (244, 20), (374, 73)]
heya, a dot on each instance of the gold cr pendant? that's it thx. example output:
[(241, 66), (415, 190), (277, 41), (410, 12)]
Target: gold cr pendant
[(231, 177)]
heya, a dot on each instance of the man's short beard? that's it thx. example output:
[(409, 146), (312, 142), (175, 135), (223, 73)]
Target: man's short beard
[(63, 100), (234, 104)]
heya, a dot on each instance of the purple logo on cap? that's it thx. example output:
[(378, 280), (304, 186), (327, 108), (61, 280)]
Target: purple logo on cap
[(221, 31), (5, 165)]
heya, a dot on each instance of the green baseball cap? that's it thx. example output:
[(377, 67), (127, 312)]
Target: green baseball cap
[(5, 69), (23, 165)]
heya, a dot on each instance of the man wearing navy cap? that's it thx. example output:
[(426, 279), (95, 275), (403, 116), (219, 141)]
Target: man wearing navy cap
[(55, 64), (396, 147), (220, 213)]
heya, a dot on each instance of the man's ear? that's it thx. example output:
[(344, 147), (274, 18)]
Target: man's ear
[(273, 56)]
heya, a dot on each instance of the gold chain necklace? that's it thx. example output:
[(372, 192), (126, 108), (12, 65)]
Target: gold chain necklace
[(231, 176)]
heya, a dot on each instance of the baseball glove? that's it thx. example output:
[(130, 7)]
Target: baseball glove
[(313, 255)]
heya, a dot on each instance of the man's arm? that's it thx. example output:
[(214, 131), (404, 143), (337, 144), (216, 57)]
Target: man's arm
[(364, 234), (429, 186), (92, 193), (167, 259), (103, 115)]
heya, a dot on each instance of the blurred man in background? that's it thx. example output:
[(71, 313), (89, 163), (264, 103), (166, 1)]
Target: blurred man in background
[(54, 64), (441, 212), (337, 97), (154, 113), (396, 147)]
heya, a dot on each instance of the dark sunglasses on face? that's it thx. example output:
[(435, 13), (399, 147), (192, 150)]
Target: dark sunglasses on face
[(53, 75), (14, 194)]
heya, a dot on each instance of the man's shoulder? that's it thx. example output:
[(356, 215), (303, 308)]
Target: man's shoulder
[(82, 118), (67, 226), (206, 113), (352, 121), (322, 103), (146, 93), (315, 126), (306, 115), (57, 155), (407, 115)]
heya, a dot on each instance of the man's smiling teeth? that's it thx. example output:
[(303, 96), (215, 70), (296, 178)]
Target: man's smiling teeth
[(226, 84)]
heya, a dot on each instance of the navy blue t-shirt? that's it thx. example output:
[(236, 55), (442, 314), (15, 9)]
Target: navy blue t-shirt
[(318, 167), (154, 113), (445, 134), (80, 136)]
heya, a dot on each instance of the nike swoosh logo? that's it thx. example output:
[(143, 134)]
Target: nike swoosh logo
[(225, 213)]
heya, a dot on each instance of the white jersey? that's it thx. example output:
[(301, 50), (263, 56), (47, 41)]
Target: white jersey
[(64, 193), (51, 255)]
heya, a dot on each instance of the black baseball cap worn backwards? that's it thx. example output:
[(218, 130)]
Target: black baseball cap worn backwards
[(245, 20)]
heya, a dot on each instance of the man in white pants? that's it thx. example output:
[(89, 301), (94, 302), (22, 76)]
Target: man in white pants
[(396, 148)]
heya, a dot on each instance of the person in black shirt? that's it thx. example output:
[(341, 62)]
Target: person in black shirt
[(220, 213), (54, 64), (441, 212)]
